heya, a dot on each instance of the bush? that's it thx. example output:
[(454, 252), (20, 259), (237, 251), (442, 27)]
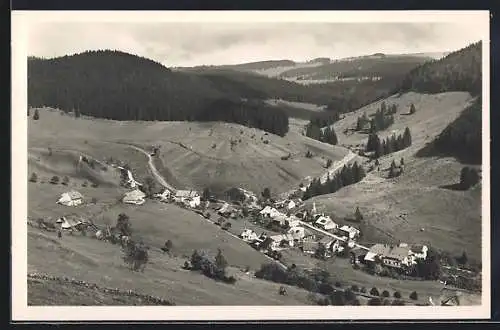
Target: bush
[(363, 290), (398, 303), (33, 178), (385, 294), (374, 302), (54, 179), (414, 295), (374, 292), (65, 181), (36, 115), (397, 295), (136, 255)]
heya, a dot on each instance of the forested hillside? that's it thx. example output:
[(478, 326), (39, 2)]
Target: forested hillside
[(461, 139), (459, 71), (120, 86)]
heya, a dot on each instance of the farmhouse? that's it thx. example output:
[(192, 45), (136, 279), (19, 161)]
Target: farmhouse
[(71, 198), (297, 233), (310, 246), (391, 256), (419, 251), (188, 197), (293, 221), (165, 195), (249, 235), (135, 197), (325, 223), (270, 212), (226, 210), (331, 244), (70, 222), (350, 232)]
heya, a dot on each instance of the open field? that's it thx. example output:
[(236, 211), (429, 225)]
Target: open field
[(415, 207), (195, 154), (98, 262)]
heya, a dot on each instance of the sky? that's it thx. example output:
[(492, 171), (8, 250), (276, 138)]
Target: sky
[(191, 44)]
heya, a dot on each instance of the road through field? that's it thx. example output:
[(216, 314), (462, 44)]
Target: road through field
[(156, 173)]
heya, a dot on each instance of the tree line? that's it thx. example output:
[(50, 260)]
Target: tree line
[(389, 145), (349, 174), (458, 71), (120, 86)]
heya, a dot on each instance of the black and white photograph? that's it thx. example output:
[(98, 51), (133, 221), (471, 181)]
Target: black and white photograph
[(253, 165)]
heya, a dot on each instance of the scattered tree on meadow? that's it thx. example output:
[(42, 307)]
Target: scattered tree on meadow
[(357, 214), (168, 246), (374, 292), (149, 186), (123, 224), (463, 259), (135, 255), (266, 194), (412, 109), (54, 179), (414, 295), (385, 294), (374, 302), (36, 115), (397, 295), (33, 177), (328, 163), (468, 177), (206, 194), (65, 181)]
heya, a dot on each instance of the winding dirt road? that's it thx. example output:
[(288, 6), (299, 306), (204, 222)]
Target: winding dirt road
[(154, 170)]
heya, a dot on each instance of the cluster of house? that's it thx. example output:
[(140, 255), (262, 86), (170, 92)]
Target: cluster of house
[(399, 256), (189, 198)]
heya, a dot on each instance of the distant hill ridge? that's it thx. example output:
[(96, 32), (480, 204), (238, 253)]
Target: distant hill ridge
[(116, 85)]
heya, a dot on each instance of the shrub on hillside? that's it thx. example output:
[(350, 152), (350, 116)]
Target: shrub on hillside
[(95, 185), (374, 292), (363, 290), (36, 115), (414, 295), (65, 181), (355, 288), (54, 179), (338, 284), (398, 303), (123, 224), (215, 269), (94, 200), (386, 294), (374, 302), (397, 295), (33, 178), (135, 255)]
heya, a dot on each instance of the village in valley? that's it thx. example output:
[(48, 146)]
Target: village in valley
[(346, 181)]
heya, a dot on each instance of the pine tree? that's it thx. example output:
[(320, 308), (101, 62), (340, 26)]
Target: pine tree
[(392, 169), (383, 108), (412, 109), (36, 115), (407, 138), (357, 214)]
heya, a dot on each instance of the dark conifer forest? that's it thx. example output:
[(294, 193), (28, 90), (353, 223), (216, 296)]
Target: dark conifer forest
[(120, 86), (459, 71)]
